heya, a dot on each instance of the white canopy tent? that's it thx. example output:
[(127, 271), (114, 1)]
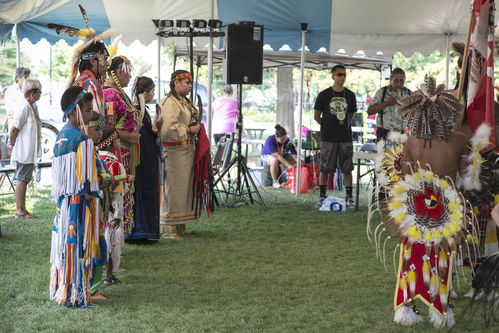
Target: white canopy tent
[(372, 26), (380, 27)]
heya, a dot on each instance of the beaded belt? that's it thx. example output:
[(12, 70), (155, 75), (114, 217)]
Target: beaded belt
[(177, 143)]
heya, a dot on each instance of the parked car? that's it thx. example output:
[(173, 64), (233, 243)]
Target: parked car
[(2, 94), (256, 98)]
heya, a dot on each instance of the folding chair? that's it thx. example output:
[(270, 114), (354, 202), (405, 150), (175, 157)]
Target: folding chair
[(7, 170), (369, 147), (221, 159)]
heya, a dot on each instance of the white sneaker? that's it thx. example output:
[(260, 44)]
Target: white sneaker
[(319, 202), (276, 185)]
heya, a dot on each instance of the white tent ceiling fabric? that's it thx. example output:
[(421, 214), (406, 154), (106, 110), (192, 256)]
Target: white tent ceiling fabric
[(16, 11), (372, 26), (395, 25)]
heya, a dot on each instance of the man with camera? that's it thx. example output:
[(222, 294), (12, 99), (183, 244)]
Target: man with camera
[(384, 105)]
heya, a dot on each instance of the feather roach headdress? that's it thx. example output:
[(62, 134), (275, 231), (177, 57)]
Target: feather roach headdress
[(431, 112), (90, 37)]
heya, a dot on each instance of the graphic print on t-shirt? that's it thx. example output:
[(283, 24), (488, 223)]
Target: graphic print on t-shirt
[(338, 107)]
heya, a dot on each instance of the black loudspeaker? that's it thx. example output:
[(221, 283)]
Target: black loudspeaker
[(243, 60)]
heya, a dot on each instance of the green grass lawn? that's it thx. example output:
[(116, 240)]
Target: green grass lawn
[(293, 269)]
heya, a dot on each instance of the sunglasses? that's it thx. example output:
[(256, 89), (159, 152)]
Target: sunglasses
[(341, 74)]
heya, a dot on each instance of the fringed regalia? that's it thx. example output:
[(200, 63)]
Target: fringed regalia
[(114, 236), (388, 168), (203, 172), (75, 233), (125, 115), (426, 210), (89, 82), (178, 203), (101, 256), (480, 185), (430, 215)]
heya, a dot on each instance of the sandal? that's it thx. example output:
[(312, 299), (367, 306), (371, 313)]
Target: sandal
[(108, 281)]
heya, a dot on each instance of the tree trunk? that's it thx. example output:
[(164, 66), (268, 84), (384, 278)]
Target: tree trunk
[(285, 115)]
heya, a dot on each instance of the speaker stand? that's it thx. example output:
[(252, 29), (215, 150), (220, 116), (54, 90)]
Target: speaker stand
[(243, 185)]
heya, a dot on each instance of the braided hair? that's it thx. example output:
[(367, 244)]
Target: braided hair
[(142, 85), (123, 63), (172, 83)]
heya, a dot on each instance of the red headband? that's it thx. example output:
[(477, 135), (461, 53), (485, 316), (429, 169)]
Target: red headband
[(184, 76)]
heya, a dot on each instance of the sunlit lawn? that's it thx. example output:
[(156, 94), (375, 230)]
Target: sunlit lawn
[(290, 269)]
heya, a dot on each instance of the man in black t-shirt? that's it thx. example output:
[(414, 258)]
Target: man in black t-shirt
[(334, 109)]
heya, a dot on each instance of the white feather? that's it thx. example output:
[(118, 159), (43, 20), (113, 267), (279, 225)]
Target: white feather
[(481, 135), (407, 317), (445, 321), (397, 137), (144, 69), (471, 178)]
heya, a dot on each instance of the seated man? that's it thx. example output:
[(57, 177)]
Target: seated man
[(278, 150)]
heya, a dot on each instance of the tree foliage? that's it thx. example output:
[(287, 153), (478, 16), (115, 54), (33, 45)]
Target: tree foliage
[(8, 63), (61, 62)]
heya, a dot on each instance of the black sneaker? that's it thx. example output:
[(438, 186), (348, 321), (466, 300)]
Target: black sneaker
[(319, 203)]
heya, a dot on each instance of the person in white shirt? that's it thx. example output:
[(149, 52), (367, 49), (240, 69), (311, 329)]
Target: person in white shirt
[(14, 96), (25, 142)]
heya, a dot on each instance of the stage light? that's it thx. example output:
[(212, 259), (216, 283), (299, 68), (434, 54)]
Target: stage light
[(167, 23), (163, 23), (183, 23), (201, 24), (215, 24)]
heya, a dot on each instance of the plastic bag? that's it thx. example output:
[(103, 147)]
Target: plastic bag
[(333, 204), (304, 179)]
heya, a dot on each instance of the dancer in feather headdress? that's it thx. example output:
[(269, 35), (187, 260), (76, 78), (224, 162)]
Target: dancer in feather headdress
[(425, 207), (480, 182), (90, 59)]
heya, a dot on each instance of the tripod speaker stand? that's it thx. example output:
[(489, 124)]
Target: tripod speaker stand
[(243, 185)]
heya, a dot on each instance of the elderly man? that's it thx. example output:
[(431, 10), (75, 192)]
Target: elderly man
[(384, 105), (14, 96)]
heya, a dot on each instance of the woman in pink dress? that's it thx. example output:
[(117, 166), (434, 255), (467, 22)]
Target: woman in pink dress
[(225, 110), (126, 119)]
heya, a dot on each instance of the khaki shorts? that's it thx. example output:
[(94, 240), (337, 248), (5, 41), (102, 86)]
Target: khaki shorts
[(24, 172), (336, 154)]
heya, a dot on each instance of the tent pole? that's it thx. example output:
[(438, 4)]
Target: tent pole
[(158, 86), (302, 75), (191, 60), (210, 72), (465, 57), (18, 47), (50, 71), (447, 61)]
